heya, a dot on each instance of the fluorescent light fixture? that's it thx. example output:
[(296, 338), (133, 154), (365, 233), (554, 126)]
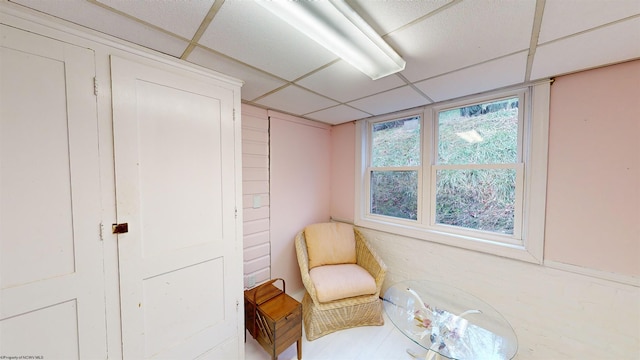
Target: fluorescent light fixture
[(337, 27)]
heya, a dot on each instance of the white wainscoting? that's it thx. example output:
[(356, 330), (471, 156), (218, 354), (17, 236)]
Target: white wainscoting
[(556, 314)]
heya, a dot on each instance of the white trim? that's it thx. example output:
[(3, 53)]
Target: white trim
[(619, 278), (535, 195), (502, 249), (360, 170)]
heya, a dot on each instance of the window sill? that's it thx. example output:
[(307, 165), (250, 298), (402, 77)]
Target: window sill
[(517, 252)]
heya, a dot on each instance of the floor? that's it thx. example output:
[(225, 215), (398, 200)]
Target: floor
[(367, 342)]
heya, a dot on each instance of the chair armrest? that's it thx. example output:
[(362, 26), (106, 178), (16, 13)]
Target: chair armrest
[(303, 263), (367, 258)]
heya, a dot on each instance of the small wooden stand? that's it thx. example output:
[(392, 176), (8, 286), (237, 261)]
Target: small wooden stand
[(273, 318)]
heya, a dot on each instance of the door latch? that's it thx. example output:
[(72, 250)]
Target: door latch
[(120, 228)]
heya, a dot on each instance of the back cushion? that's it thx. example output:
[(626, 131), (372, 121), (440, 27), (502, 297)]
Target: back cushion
[(330, 244)]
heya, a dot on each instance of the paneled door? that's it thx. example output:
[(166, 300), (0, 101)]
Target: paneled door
[(51, 260), (175, 187)]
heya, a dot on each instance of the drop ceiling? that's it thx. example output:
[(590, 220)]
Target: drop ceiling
[(452, 48)]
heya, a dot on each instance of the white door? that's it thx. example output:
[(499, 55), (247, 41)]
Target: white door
[(175, 186), (51, 269)]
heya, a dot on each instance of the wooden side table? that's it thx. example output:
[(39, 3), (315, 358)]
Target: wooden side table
[(273, 318)]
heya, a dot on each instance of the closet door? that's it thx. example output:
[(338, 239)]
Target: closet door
[(175, 188), (51, 268)]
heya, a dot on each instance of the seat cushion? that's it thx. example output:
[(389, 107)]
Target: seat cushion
[(330, 244), (335, 282)]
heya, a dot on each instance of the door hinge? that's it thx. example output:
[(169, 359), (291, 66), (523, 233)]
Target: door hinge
[(236, 213), (234, 115), (95, 86), (101, 231), (237, 305)]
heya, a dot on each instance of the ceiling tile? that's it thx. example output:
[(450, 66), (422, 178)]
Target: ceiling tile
[(494, 74), (390, 101), (387, 16), (567, 17), (453, 48), (256, 83), (462, 35), (607, 45), (262, 40), (295, 100), (343, 82), (102, 20), (338, 115), (170, 15)]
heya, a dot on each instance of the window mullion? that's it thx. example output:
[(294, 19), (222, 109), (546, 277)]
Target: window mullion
[(519, 200), (428, 156)]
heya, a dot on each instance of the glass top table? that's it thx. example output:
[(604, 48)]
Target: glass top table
[(448, 322)]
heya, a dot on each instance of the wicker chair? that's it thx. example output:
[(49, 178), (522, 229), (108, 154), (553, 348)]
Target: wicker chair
[(324, 318)]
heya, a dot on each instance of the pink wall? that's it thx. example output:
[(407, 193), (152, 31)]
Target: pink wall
[(593, 200), (593, 195), (300, 188), (343, 171)]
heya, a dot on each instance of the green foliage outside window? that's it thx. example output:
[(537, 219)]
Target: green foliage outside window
[(396, 144), (395, 193), (480, 198)]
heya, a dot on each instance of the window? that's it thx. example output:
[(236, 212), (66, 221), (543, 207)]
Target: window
[(478, 167), (395, 164), (470, 174)]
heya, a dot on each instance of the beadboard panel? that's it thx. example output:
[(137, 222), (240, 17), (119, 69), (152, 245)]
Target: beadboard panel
[(255, 148), (248, 199), (258, 251), (255, 191), (260, 213), (257, 264), (255, 187), (252, 227), (254, 118), (556, 314), (252, 134), (256, 239), (255, 174), (254, 161)]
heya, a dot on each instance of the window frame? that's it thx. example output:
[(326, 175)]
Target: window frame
[(516, 237), (532, 175), (370, 169)]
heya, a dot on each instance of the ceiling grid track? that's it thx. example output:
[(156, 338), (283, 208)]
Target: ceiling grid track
[(535, 34), (202, 28)]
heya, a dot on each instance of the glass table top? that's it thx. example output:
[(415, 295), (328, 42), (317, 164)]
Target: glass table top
[(450, 322)]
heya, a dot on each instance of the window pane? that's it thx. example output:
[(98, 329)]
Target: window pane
[(396, 143), (476, 199), (395, 193), (479, 134)]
